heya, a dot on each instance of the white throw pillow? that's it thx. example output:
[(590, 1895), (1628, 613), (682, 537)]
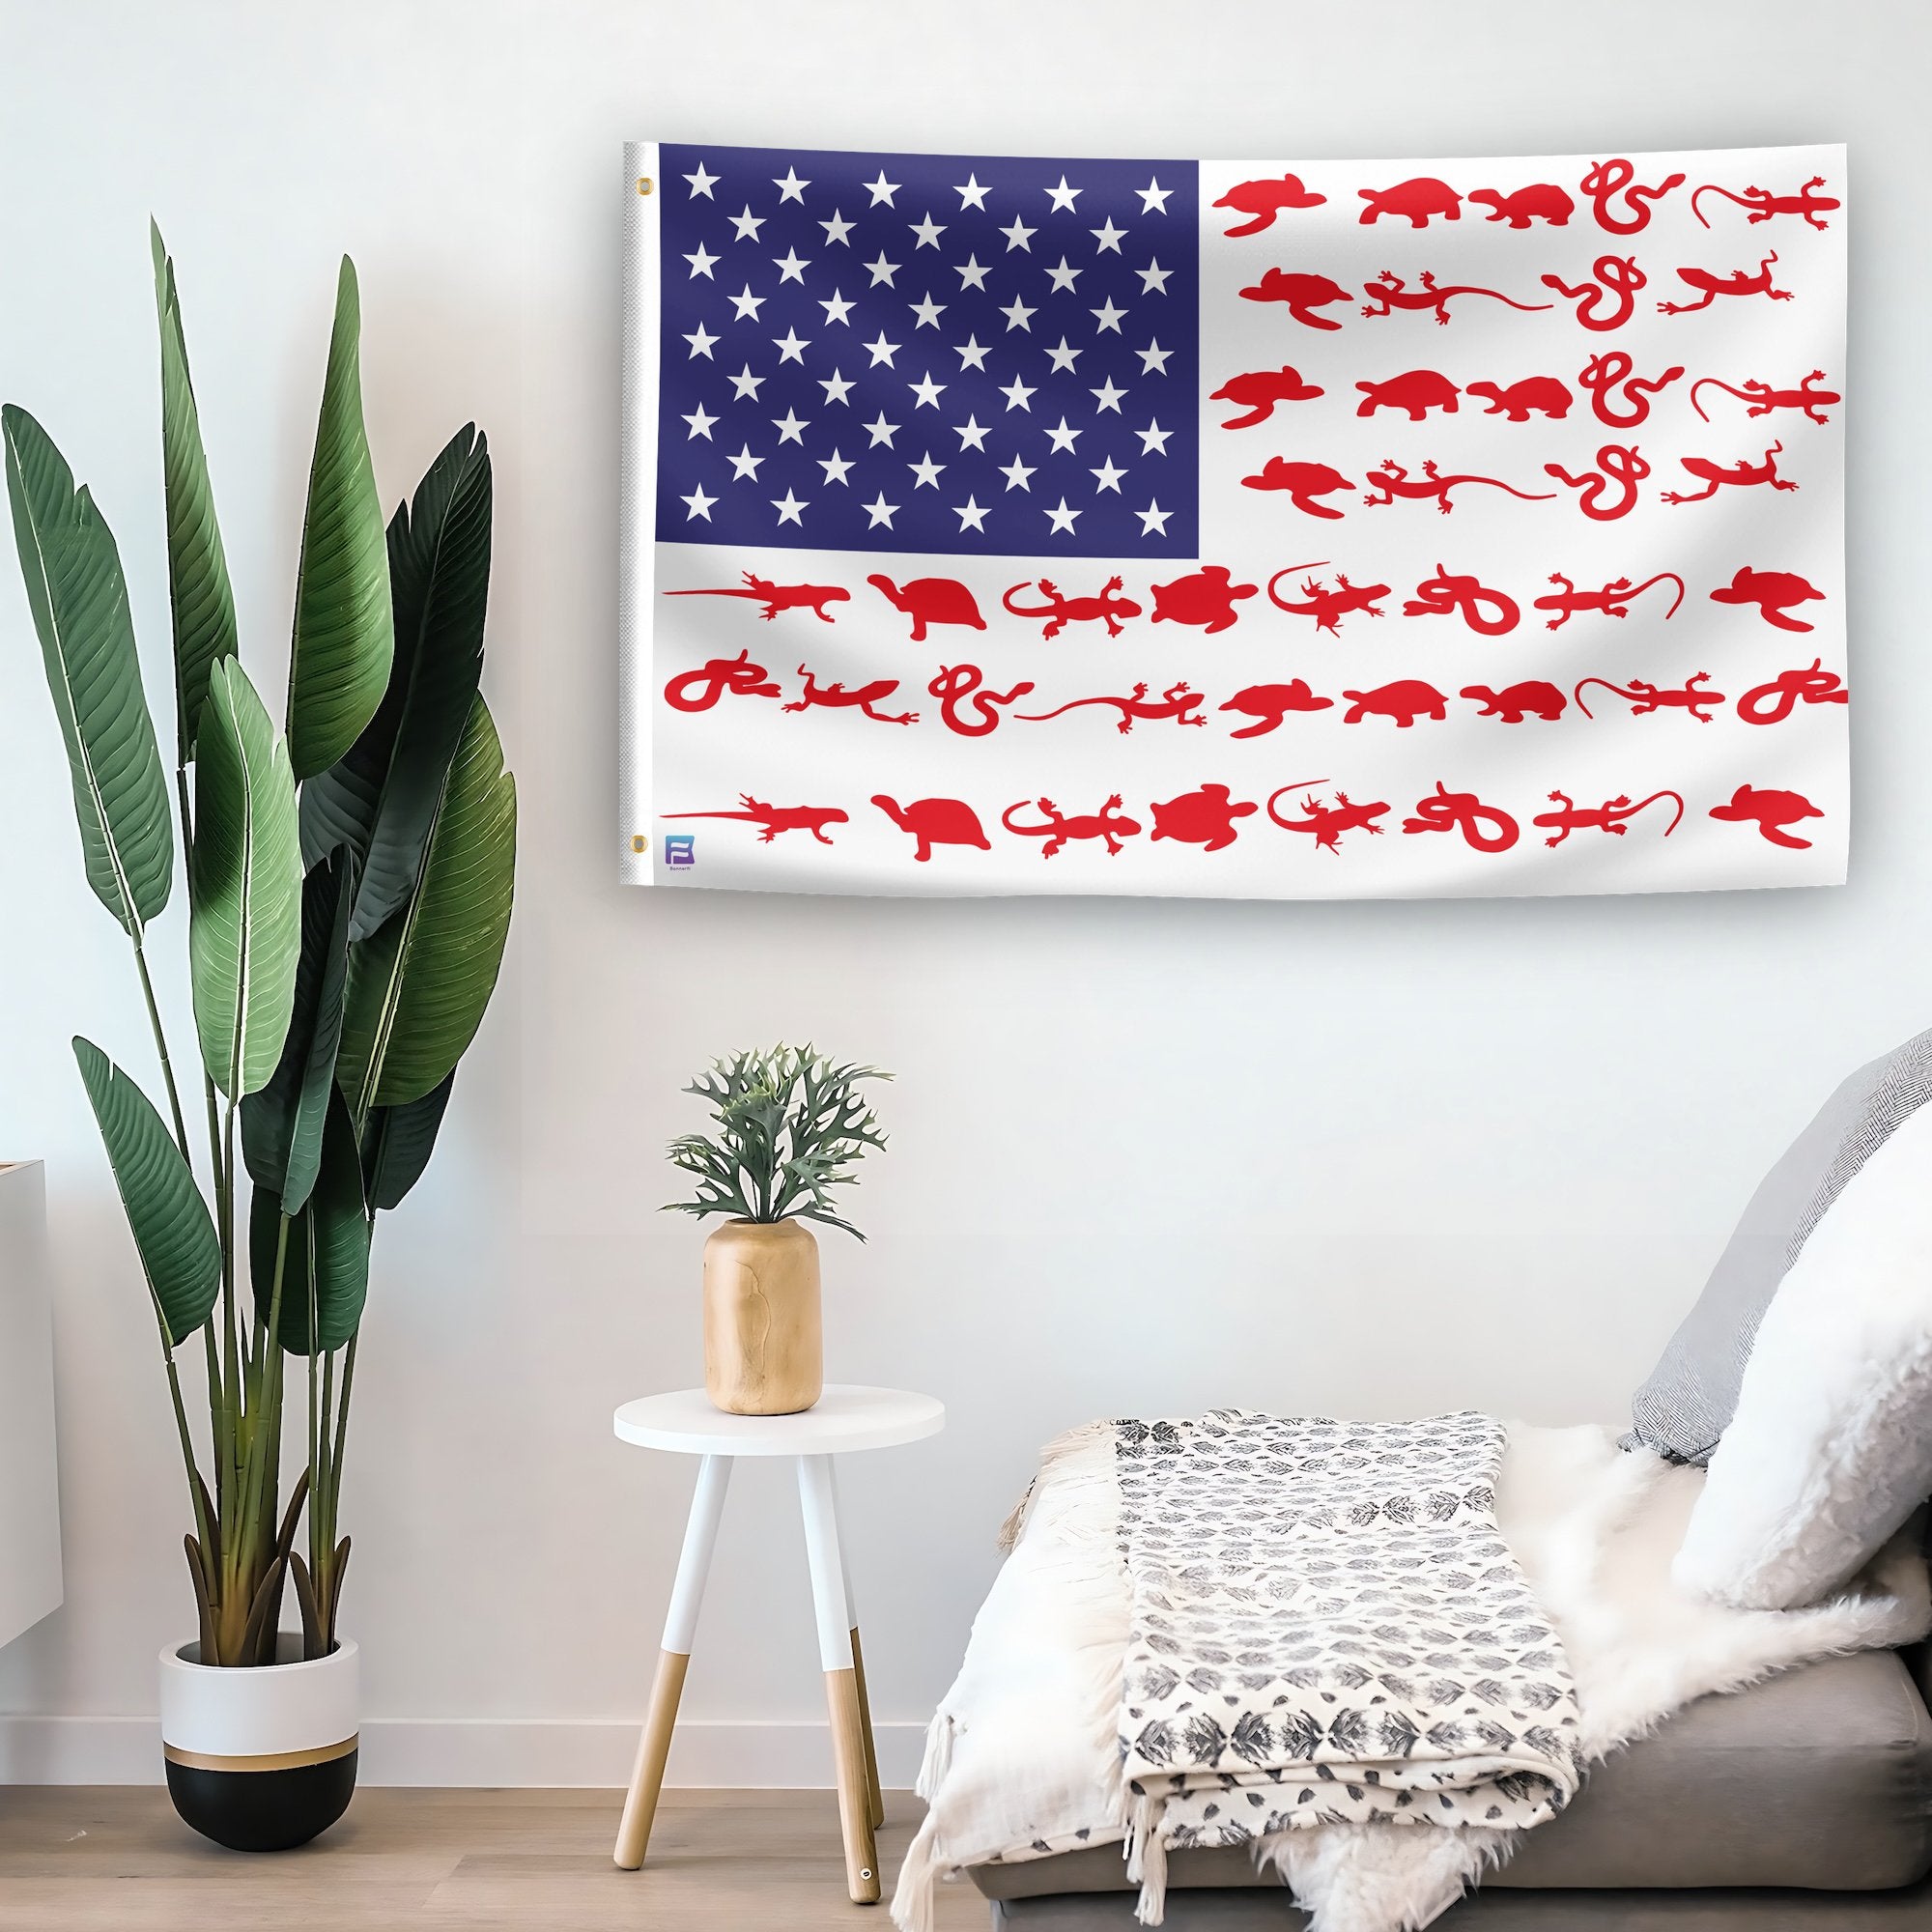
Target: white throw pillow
[(1831, 1449)]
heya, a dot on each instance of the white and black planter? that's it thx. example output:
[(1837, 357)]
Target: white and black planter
[(260, 1760)]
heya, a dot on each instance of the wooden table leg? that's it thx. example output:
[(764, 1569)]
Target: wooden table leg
[(693, 1563), (877, 1797)]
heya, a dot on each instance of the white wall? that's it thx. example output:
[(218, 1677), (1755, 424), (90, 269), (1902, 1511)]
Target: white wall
[(1147, 1156)]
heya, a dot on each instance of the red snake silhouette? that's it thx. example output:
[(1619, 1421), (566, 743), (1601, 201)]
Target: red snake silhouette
[(1649, 697), (1763, 398), (1393, 480), (1771, 704), (960, 684), (1606, 180), (1328, 822), (1736, 283), (1178, 702), (1613, 600), (1619, 277), (700, 690), (1616, 466), (1609, 816), (1763, 204), (1327, 607), (1446, 811), (1603, 374), (1446, 596), (1393, 293)]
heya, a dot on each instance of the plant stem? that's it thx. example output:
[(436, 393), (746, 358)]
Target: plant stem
[(161, 1046)]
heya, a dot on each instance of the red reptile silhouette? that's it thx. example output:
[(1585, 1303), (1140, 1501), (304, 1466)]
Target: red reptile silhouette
[(935, 821), (1392, 292), (1205, 597), (1613, 600), (1762, 204), (1446, 596), (960, 684), (1541, 201), (1414, 394), (1301, 482), (1773, 591), (1609, 816), (1256, 392), (1109, 824), (1269, 705), (1404, 701), (1609, 300), (1736, 283), (1393, 480), (700, 690), (1515, 403), (1260, 201), (777, 597), (1414, 201), (835, 698), (1601, 375), (1770, 811), (1327, 607), (1618, 466), (1108, 607), (1446, 811), (1514, 702), (1178, 702), (1649, 697), (930, 600), (1714, 476), (1204, 817), (1299, 294), (776, 818), (1771, 704), (1328, 822), (1606, 180), (1763, 398)]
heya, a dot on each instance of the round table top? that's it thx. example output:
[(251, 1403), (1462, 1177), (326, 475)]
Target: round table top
[(846, 1417)]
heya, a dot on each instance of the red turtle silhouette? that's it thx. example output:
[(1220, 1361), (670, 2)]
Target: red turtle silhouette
[(1299, 294), (1609, 298), (1109, 824), (1736, 283), (1258, 392), (1446, 811), (1269, 705), (1609, 816), (1763, 398), (1388, 292), (1769, 703), (935, 821), (930, 600), (1533, 392), (1770, 811), (1541, 201), (1515, 702), (700, 690), (1619, 469), (1613, 600), (1648, 697), (1603, 374), (1414, 393), (1328, 822), (1205, 817), (1714, 476), (776, 818), (1762, 204), (1415, 200), (1327, 607), (1300, 483), (1491, 614), (1773, 591), (777, 597), (1207, 596), (1606, 180), (1109, 608), (1404, 701), (1263, 200)]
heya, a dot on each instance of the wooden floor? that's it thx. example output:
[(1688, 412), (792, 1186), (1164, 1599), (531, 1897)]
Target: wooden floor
[(75, 1860)]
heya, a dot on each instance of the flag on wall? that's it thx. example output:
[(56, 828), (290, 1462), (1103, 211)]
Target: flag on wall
[(1271, 529)]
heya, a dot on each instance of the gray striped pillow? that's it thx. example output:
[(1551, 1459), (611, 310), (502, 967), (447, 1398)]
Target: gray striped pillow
[(1692, 1393)]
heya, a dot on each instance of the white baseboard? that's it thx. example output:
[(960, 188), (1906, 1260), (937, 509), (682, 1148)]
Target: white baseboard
[(479, 1752)]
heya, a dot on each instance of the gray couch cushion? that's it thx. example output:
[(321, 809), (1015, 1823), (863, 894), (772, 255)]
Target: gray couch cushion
[(1692, 1393), (1820, 1778)]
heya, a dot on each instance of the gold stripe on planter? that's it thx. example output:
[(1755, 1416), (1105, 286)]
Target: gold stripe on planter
[(268, 1761)]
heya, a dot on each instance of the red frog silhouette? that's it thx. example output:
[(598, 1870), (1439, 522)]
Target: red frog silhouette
[(1327, 823), (1603, 376), (1205, 597), (1484, 828), (1327, 607), (1771, 811), (1414, 394), (1514, 702), (935, 821), (1301, 483), (1773, 591), (1606, 180), (1762, 204), (700, 690), (1648, 697), (1541, 201), (1413, 201), (1515, 403), (1771, 704), (1299, 294), (1109, 825), (1404, 701), (1205, 817), (1736, 283), (1269, 705), (1763, 398), (1260, 201), (1612, 817), (776, 818), (1714, 476), (1613, 600), (1491, 614), (1256, 392)]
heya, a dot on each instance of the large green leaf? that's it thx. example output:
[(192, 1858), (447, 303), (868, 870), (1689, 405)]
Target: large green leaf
[(398, 1141), (244, 886), (325, 1264), (418, 988), (281, 1126), (344, 634), (80, 601), (172, 1232), (381, 797), (199, 595)]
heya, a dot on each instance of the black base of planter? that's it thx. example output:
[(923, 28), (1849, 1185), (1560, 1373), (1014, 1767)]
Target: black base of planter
[(263, 1810)]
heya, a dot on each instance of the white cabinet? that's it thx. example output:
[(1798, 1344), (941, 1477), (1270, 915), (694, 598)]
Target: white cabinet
[(30, 1558)]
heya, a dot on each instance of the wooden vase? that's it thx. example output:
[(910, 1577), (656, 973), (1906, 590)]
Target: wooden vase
[(764, 1349)]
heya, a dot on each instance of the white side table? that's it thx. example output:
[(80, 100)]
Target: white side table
[(844, 1418)]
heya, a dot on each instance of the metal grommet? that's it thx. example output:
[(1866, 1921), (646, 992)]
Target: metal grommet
[(637, 842), (644, 184)]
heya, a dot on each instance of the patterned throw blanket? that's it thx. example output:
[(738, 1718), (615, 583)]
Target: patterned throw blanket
[(1327, 1627)]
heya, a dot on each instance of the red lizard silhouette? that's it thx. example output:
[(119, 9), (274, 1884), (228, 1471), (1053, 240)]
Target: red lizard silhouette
[(777, 597), (1606, 180), (1260, 201), (1414, 200), (1446, 596), (1602, 374), (1204, 817), (1393, 480), (1415, 393), (930, 600), (1541, 201), (1178, 702), (1392, 292), (1615, 281), (1108, 607), (1301, 483), (1328, 822), (700, 690), (1713, 476), (1763, 398), (935, 821), (1299, 294), (1771, 811), (1613, 600), (1649, 697), (1773, 591), (1269, 705), (1609, 816), (1736, 283), (1109, 824), (1205, 597), (1327, 607), (960, 684), (1771, 704), (1258, 390), (776, 818), (1446, 811), (1515, 702), (1515, 403), (1618, 466), (1763, 204), (1404, 701), (835, 698)]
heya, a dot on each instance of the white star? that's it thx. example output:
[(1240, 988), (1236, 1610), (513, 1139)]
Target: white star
[(702, 183), (880, 511), (1018, 236), (882, 351), (747, 224), (882, 189), (1063, 196), (836, 230), (1064, 356), (701, 263), (701, 423), (1062, 519), (836, 465), (882, 431), (1153, 279), (791, 428), (971, 435), (1062, 278), (745, 465), (836, 387), (1154, 439), (746, 305), (838, 308), (927, 391), (1107, 477), (971, 517), (971, 194), (744, 383), (790, 348), (1016, 474), (1016, 393), (1153, 519), (1063, 439), (970, 275), (1107, 397), (1153, 357), (700, 339), (698, 504), (1153, 197), (883, 270), (928, 232), (925, 472), (926, 312), (1016, 315), (791, 188), (789, 507), (790, 267), (1108, 315), (1108, 237), (971, 355)]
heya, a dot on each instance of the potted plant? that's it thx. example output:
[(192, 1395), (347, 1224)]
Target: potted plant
[(349, 887), (789, 1127)]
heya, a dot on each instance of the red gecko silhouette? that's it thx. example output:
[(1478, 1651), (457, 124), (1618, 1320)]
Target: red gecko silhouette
[(1736, 283), (1328, 822), (1414, 200), (700, 690), (1404, 701), (1269, 705), (1446, 596), (777, 597), (1301, 483), (1109, 824), (835, 698), (1263, 200), (1515, 403), (1178, 702), (960, 684), (1606, 180), (1515, 702), (1618, 466), (1204, 817), (1649, 697), (1609, 299), (1763, 398), (1714, 476), (1771, 704), (1299, 294), (1446, 811), (1207, 597), (1602, 374), (1771, 811), (1609, 816), (1392, 292), (1541, 201), (1258, 390), (1108, 607), (776, 818), (1415, 393), (1763, 204), (935, 821), (1613, 600), (1773, 591), (1393, 480), (930, 600), (1327, 607)]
